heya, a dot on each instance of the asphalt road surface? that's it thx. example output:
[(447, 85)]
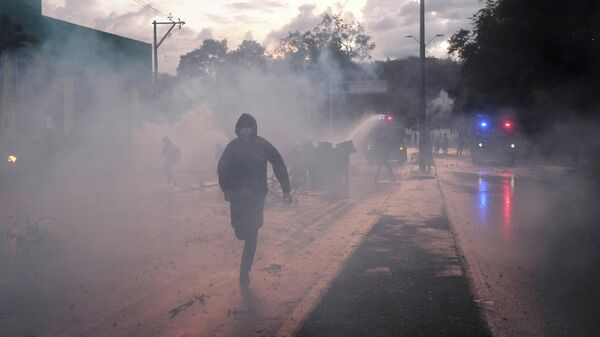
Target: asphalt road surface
[(529, 235), (134, 258)]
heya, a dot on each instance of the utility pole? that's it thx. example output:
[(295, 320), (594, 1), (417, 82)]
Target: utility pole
[(157, 44), (423, 130)]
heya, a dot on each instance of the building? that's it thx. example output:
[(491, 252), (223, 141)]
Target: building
[(74, 83)]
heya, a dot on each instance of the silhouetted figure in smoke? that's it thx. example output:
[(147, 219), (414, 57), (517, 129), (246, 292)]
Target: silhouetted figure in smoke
[(341, 154), (460, 143), (437, 144), (445, 143), (382, 151), (171, 156), (428, 154), (243, 178)]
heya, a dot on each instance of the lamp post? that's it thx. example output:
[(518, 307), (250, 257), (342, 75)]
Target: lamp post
[(423, 129)]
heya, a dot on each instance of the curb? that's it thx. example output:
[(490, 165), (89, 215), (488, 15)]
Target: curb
[(471, 271)]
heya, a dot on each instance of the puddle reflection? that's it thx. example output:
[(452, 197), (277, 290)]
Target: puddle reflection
[(489, 198), (508, 188), (482, 197)]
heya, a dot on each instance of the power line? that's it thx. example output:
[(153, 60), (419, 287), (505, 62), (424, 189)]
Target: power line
[(148, 6)]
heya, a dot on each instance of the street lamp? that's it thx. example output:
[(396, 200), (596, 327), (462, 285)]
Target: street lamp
[(430, 40)]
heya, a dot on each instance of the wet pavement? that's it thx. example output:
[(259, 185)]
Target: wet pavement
[(530, 238), (405, 279)]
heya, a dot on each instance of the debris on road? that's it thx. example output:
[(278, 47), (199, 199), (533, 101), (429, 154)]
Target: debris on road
[(183, 307)]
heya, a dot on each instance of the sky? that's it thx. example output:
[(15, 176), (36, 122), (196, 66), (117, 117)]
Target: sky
[(267, 21)]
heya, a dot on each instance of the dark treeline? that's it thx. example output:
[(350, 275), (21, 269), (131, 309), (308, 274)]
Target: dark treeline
[(539, 57), (304, 65)]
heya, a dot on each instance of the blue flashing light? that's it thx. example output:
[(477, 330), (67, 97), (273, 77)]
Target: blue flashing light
[(483, 124)]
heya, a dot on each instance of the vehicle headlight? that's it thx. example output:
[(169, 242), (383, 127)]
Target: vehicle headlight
[(11, 159), (480, 144), (512, 146)]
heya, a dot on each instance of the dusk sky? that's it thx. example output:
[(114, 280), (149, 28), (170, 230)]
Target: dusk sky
[(267, 21)]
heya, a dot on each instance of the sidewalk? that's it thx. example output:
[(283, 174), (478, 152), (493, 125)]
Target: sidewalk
[(405, 279)]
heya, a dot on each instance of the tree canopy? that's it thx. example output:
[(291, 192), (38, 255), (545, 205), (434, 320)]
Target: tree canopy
[(539, 56), (204, 61), (249, 54), (343, 41)]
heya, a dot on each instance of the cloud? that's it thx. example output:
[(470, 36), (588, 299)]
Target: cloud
[(134, 24), (249, 20), (389, 21), (257, 5), (220, 19), (307, 19), (76, 11)]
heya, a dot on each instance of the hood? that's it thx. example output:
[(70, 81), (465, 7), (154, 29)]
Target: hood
[(246, 120)]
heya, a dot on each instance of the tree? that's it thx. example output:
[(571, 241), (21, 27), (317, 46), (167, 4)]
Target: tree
[(343, 41), (204, 61), (12, 36), (249, 54), (539, 56)]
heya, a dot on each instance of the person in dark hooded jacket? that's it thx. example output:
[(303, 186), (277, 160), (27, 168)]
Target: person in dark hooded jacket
[(242, 173)]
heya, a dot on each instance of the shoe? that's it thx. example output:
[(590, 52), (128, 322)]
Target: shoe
[(244, 279)]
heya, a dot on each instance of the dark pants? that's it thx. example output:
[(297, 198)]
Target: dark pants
[(247, 218), (249, 251), (388, 166), (168, 172)]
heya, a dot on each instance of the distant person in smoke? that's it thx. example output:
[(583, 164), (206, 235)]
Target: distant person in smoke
[(437, 144), (382, 151), (428, 154), (171, 156), (243, 178), (445, 142), (460, 143)]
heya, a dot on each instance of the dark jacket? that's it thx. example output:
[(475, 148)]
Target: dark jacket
[(243, 171), (243, 165)]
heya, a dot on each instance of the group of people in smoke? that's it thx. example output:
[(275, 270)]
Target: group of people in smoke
[(323, 167), (242, 172), (441, 142)]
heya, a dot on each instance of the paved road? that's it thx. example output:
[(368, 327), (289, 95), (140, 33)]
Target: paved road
[(142, 260), (530, 238)]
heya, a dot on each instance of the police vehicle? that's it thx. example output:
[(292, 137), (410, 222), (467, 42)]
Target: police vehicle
[(395, 134), (495, 138)]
